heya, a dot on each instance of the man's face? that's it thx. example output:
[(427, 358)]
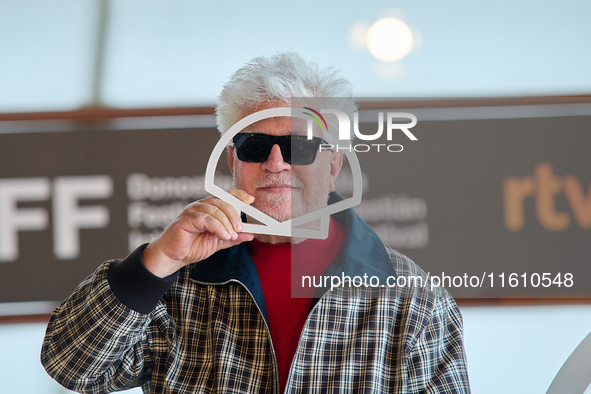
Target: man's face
[(284, 191)]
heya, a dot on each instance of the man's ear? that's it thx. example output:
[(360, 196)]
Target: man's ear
[(336, 163), (230, 151)]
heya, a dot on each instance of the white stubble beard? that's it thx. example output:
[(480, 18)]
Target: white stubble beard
[(279, 205)]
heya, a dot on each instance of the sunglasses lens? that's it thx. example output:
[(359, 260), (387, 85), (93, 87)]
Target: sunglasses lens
[(303, 150), (252, 148)]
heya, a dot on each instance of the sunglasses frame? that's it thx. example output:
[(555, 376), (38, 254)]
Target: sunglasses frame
[(284, 143)]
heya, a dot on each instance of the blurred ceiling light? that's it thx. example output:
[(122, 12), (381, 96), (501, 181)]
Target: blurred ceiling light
[(389, 39)]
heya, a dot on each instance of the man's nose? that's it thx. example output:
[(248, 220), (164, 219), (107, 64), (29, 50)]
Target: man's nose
[(275, 162)]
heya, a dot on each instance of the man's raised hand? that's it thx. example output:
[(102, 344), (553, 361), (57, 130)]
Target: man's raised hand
[(203, 228)]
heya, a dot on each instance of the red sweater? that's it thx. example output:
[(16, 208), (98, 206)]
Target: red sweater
[(287, 315)]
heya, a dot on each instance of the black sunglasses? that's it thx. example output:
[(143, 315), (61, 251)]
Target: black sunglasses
[(295, 149)]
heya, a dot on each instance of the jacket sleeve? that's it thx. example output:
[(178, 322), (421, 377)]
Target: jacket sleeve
[(437, 361), (105, 336)]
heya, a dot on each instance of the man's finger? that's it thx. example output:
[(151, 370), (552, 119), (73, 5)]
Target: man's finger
[(229, 209), (242, 237), (231, 216), (242, 196), (206, 215), (213, 225)]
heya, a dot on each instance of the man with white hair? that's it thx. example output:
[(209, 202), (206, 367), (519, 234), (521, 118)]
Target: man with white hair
[(207, 307)]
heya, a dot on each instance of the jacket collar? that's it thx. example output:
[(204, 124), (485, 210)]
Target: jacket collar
[(230, 265), (363, 253)]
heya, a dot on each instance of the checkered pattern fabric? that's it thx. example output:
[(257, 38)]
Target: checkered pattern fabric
[(212, 337)]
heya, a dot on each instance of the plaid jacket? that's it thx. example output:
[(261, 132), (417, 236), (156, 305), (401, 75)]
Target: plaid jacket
[(208, 333)]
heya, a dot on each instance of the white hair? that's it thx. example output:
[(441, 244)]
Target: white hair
[(279, 79)]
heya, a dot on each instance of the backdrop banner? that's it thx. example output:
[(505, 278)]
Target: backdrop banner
[(490, 201)]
